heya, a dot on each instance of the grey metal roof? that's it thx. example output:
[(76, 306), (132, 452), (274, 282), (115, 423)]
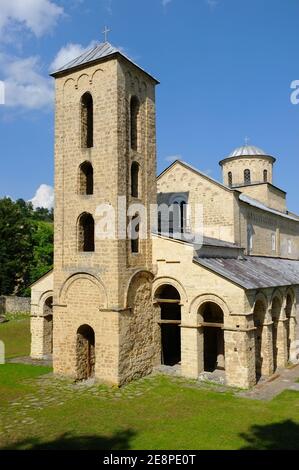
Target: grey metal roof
[(254, 272), (100, 51), (247, 150), (260, 205)]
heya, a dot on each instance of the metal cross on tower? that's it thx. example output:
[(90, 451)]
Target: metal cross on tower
[(106, 32)]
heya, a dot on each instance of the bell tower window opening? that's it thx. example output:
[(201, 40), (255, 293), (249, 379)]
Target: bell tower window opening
[(86, 233), (87, 121), (134, 119)]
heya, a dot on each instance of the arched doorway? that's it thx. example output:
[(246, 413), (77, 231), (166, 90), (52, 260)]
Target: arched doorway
[(276, 311), (259, 316), (85, 352), (212, 320), (48, 327), (169, 301)]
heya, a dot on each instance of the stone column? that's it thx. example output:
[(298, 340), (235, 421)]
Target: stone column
[(240, 357), (293, 345), (37, 337), (282, 346), (267, 349), (192, 361)]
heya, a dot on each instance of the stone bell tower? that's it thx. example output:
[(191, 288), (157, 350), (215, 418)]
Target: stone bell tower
[(105, 161)]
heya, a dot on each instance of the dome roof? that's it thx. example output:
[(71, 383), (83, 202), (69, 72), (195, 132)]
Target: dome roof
[(247, 150)]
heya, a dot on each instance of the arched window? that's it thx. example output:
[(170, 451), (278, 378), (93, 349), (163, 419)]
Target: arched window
[(86, 232), (247, 176), (86, 178), (135, 228), (230, 179), (134, 115), (87, 121), (265, 176), (135, 179)]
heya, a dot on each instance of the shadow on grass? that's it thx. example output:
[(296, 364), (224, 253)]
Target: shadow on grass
[(119, 441), (276, 436)]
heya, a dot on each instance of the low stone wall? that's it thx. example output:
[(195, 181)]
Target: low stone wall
[(13, 304)]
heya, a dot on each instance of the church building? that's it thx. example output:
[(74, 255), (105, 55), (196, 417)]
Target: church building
[(222, 301)]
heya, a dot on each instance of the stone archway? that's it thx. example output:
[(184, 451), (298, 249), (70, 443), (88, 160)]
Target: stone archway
[(212, 321), (169, 300), (85, 352), (48, 327)]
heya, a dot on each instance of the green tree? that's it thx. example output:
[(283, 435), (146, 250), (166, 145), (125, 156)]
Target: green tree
[(16, 241), (26, 245)]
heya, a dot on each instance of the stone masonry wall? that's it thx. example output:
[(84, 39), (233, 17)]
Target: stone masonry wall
[(13, 304)]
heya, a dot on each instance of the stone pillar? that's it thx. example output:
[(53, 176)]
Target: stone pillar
[(293, 344), (192, 360), (267, 349), (282, 346), (240, 357), (37, 337)]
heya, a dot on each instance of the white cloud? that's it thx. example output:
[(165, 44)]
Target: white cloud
[(68, 53), (39, 16), (25, 86), (173, 158), (109, 7), (166, 2), (44, 197), (212, 3)]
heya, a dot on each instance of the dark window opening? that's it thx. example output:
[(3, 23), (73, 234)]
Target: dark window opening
[(86, 178), (265, 176), (87, 121), (135, 227), (177, 217), (86, 233), (134, 115), (230, 179), (135, 179), (247, 176)]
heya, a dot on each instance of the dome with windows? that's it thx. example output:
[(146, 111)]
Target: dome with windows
[(247, 165)]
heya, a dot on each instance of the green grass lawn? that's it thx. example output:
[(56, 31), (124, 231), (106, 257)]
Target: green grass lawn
[(16, 336), (39, 411)]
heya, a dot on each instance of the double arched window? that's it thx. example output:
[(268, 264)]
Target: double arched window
[(134, 119), (247, 176), (87, 120), (178, 216), (86, 178), (86, 232)]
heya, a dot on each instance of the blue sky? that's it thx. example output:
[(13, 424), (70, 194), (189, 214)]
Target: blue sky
[(225, 68)]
